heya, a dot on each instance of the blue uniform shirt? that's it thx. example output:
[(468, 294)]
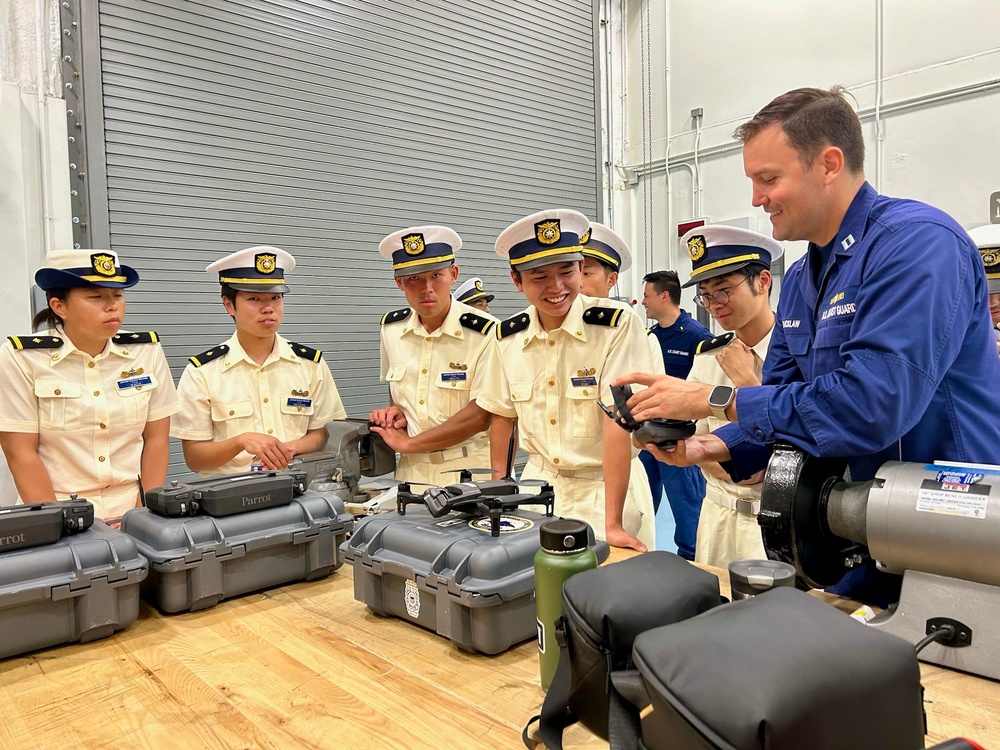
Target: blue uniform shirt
[(678, 343), (891, 357)]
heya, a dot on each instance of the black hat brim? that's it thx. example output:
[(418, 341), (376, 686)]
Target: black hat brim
[(58, 278)]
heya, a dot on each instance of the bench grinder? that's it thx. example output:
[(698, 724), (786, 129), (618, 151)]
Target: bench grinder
[(936, 524)]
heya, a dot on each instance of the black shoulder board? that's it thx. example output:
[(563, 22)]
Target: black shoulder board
[(214, 353), (476, 323), (513, 325), (603, 316), (136, 337), (717, 343), (396, 315), (35, 342), (306, 352)]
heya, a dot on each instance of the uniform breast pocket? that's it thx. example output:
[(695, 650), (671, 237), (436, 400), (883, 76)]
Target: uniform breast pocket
[(395, 373), (295, 416), (829, 339), (134, 402), (232, 418), (454, 393), (586, 413), (60, 404), (520, 395)]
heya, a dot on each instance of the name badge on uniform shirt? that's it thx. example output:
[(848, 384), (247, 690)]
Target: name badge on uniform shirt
[(136, 382), (450, 376), (300, 402), (580, 382)]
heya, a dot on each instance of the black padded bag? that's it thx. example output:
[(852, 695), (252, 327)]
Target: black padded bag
[(781, 671), (604, 609)]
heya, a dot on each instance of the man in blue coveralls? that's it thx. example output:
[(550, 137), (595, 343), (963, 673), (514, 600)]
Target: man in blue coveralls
[(884, 346), (679, 335)]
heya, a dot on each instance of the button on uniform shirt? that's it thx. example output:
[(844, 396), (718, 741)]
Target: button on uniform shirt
[(88, 413), (432, 376), (725, 535), (551, 381), (678, 343), (231, 394)]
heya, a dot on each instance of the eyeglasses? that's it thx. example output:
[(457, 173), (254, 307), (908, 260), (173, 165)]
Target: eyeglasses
[(719, 295)]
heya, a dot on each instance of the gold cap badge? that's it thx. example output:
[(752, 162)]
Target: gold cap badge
[(103, 264), (265, 263), (413, 244), (696, 247), (548, 232)]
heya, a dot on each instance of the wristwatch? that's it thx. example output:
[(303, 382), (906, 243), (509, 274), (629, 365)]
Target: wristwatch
[(720, 398)]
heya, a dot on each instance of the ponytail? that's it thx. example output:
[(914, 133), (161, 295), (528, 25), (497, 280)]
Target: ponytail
[(46, 318)]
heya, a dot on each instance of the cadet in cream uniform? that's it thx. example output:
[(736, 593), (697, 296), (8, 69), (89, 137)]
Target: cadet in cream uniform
[(257, 394), (551, 365), (431, 356), (85, 409), (987, 239), (605, 256), (731, 267), (473, 293)]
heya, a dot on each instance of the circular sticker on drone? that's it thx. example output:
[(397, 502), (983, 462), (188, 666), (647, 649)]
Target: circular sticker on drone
[(411, 598), (508, 524)]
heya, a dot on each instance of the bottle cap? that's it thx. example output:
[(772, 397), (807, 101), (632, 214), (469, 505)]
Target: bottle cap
[(748, 578), (562, 535)]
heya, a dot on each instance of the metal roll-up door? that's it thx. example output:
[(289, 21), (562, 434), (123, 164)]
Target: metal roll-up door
[(321, 126)]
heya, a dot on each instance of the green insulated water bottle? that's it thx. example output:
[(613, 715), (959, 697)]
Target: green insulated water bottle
[(564, 552)]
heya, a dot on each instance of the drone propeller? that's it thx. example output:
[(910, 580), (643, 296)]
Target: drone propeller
[(533, 482), (479, 470)]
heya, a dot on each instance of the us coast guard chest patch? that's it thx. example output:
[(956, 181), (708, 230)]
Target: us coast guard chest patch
[(411, 599), (840, 304)]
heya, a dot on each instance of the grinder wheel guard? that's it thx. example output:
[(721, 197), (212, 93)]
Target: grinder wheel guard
[(793, 518)]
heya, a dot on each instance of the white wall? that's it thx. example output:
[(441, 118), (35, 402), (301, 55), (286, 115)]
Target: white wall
[(731, 57), (34, 162)]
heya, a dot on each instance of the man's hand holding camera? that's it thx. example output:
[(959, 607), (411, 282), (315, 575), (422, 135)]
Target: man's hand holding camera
[(671, 398)]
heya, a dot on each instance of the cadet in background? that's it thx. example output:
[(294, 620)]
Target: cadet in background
[(256, 396), (472, 293), (431, 356), (605, 256), (732, 268), (553, 362), (987, 239), (86, 409), (677, 337)]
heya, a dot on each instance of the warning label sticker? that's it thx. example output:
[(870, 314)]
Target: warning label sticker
[(970, 501)]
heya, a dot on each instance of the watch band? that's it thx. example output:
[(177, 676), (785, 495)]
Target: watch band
[(719, 400)]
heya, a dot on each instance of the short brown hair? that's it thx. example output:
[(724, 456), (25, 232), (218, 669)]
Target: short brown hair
[(812, 119)]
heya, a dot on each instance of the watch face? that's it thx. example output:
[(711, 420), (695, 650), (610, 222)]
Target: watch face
[(721, 396)]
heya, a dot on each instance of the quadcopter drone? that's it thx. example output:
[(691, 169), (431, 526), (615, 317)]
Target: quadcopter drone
[(491, 497)]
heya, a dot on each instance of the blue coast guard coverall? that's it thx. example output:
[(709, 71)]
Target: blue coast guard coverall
[(890, 357)]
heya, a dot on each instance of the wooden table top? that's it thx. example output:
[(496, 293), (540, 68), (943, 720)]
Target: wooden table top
[(307, 666)]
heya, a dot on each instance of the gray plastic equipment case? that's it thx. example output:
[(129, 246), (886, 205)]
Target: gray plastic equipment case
[(79, 589), (450, 576), (198, 561)]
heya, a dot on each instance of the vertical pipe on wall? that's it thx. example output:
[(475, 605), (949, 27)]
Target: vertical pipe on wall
[(696, 188), (667, 109), (879, 74), (42, 20), (609, 120)]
